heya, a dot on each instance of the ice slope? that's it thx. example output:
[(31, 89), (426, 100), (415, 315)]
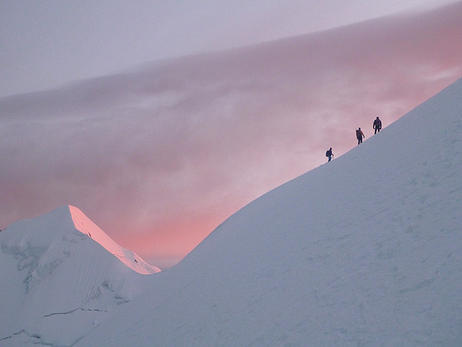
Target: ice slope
[(57, 283), (363, 251)]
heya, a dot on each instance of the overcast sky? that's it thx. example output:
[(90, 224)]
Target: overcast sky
[(44, 44)]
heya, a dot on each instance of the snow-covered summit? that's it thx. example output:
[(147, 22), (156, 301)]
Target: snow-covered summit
[(86, 226), (44, 229), (362, 251), (62, 275)]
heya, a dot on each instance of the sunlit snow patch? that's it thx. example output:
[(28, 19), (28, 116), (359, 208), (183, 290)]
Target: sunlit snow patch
[(86, 226)]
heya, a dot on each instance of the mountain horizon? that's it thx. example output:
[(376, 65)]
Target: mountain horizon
[(168, 182)]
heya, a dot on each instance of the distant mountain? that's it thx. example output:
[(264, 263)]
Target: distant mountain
[(61, 276), (362, 251)]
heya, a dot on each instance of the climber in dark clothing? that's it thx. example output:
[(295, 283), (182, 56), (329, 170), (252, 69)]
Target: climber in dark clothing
[(329, 154), (377, 125), (359, 135)]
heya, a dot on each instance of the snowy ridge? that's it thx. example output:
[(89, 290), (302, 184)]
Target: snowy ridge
[(132, 260), (362, 251), (61, 283)]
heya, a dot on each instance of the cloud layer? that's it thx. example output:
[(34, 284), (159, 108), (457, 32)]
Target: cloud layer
[(159, 156), (46, 44)]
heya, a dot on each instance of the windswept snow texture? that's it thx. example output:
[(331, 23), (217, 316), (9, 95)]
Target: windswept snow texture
[(57, 283), (363, 251)]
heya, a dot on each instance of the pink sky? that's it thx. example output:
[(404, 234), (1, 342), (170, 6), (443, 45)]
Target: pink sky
[(160, 156)]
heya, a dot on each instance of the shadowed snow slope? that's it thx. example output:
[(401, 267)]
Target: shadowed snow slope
[(57, 283), (365, 250)]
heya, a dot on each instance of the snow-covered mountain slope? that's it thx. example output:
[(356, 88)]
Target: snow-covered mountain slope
[(86, 226), (57, 283), (363, 251)]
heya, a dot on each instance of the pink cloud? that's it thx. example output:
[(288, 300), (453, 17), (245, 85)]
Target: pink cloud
[(158, 157)]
